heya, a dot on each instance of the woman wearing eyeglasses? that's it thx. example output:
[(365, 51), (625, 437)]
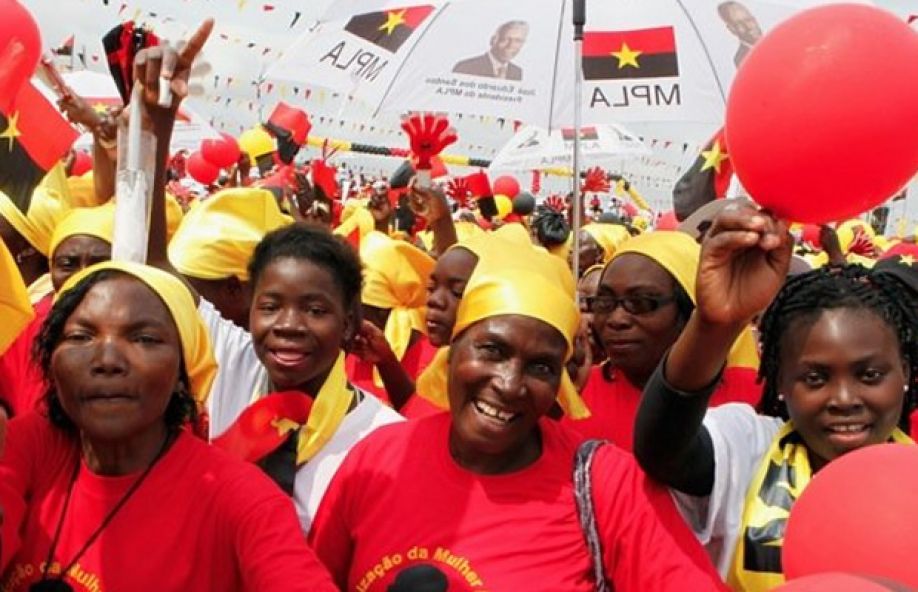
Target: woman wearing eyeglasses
[(646, 295)]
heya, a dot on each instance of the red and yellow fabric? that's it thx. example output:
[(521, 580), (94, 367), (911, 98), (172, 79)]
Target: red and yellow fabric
[(267, 422), (15, 308)]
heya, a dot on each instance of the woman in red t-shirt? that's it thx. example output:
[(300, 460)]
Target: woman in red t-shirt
[(107, 474), (484, 497)]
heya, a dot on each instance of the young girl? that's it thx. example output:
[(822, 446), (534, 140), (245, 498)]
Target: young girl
[(838, 361)]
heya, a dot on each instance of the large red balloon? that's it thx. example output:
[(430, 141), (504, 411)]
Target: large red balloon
[(222, 152), (822, 114), (506, 185), (200, 170), (834, 582), (20, 49), (858, 515)]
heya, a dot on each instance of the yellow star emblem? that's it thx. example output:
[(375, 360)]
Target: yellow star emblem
[(907, 260), (99, 108), (394, 18), (284, 426), (627, 56), (714, 157), (12, 130)]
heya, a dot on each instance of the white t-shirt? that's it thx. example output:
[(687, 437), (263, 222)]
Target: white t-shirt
[(241, 379), (740, 438)]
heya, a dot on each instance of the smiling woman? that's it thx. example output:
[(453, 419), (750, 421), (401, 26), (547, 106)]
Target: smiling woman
[(839, 358), (110, 472), (435, 496)]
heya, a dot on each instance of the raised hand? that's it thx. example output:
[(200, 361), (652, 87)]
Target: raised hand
[(166, 64), (744, 261), (370, 344)]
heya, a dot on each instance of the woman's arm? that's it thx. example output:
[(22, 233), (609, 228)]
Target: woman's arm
[(744, 261)]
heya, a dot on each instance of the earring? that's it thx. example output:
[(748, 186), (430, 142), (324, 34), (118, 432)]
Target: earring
[(780, 396)]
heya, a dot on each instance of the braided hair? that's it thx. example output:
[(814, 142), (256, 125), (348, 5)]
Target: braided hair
[(804, 297)]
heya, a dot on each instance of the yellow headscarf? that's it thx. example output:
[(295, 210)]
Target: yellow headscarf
[(608, 236), (45, 210), (678, 253), (174, 215), (15, 309), (518, 291), (196, 349), (355, 216), (217, 237), (98, 222), (466, 230), (395, 278)]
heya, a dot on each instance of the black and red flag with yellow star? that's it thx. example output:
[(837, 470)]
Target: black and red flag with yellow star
[(706, 180), (640, 53), (34, 136), (390, 28)]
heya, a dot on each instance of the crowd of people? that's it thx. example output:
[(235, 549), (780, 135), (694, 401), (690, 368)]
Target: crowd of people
[(387, 389)]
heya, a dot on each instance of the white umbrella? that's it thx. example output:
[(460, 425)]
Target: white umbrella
[(533, 148), (643, 60)]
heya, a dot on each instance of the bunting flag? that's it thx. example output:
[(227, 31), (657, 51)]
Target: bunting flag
[(34, 137), (641, 53), (706, 180), (586, 133), (388, 29)]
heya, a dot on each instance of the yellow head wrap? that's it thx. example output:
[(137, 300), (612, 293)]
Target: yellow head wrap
[(355, 216), (36, 226), (174, 215), (608, 236), (15, 309), (466, 230), (678, 253), (395, 278), (98, 222), (217, 237), (196, 350), (519, 291)]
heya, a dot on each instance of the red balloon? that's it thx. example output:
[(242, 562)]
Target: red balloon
[(506, 185), (20, 49), (819, 126), (82, 164), (833, 582), (858, 515), (667, 221), (630, 209), (811, 234), (200, 170), (221, 152)]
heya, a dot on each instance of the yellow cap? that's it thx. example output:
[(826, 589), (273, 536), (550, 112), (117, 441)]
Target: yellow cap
[(256, 142), (217, 237), (196, 349), (98, 222)]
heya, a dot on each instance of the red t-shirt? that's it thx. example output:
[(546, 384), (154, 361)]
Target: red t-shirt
[(418, 355), (200, 521), (21, 381), (614, 403), (401, 513)]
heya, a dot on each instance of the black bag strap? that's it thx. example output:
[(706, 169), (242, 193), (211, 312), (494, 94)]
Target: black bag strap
[(583, 494)]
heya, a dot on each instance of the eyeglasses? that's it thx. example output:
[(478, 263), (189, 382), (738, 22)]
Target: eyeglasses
[(636, 305)]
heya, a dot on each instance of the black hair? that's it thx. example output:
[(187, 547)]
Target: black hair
[(318, 246), (806, 296), (551, 227), (181, 407)]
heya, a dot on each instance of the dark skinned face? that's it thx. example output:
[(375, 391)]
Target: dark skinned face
[(444, 291), (76, 253)]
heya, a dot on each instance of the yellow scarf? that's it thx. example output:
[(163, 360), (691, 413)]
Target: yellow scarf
[(15, 308), (782, 476), (327, 413)]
